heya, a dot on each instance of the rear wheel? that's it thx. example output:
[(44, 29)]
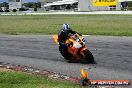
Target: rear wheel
[(88, 56)]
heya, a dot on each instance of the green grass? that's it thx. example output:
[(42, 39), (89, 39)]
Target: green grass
[(10, 79), (117, 25)]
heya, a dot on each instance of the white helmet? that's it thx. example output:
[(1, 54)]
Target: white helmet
[(66, 27)]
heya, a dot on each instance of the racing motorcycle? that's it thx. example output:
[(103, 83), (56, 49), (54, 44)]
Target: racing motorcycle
[(76, 49)]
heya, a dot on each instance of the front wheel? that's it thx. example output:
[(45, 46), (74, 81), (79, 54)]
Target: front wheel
[(88, 56)]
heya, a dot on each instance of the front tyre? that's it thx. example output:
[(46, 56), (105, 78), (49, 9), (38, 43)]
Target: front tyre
[(88, 56)]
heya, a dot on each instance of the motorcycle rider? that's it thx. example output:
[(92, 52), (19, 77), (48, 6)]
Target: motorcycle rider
[(62, 36)]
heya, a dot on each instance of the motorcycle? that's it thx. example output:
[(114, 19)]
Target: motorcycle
[(76, 49)]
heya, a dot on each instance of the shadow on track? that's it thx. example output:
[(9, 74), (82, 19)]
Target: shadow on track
[(80, 62)]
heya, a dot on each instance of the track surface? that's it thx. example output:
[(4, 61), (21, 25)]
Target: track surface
[(113, 55)]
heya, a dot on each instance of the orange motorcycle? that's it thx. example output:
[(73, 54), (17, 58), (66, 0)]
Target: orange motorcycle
[(76, 49)]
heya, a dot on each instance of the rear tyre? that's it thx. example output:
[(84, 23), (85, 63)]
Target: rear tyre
[(88, 56)]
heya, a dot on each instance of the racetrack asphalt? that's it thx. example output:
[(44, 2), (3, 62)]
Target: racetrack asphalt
[(113, 55)]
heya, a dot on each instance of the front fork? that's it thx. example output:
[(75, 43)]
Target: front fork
[(83, 49)]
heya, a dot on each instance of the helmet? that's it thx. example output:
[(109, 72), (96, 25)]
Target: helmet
[(66, 27)]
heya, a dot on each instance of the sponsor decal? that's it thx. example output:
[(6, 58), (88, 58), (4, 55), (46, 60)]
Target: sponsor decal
[(104, 2), (99, 82)]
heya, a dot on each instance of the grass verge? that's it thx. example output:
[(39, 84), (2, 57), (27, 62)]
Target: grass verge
[(13, 79), (117, 25)]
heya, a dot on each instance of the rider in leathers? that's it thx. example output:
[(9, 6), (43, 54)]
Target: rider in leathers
[(62, 36)]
